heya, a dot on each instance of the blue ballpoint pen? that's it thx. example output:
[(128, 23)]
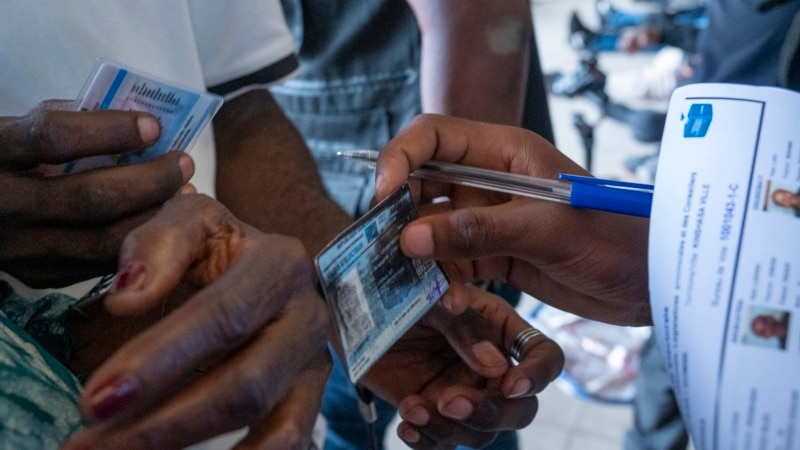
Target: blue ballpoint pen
[(620, 197)]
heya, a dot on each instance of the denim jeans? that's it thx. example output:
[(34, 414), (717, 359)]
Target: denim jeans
[(357, 88)]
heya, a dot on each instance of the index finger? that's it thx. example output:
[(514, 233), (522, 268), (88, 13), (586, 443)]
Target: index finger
[(98, 196), (449, 139), (54, 136)]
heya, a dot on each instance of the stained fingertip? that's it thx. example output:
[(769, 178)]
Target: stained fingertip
[(129, 292), (131, 277), (112, 396)]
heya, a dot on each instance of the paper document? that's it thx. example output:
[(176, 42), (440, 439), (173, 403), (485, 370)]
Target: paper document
[(724, 263)]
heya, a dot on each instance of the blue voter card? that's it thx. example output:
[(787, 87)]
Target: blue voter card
[(375, 293), (182, 112)]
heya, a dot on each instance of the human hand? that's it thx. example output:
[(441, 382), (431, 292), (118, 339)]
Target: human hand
[(590, 263), (248, 348), (58, 230), (452, 384)]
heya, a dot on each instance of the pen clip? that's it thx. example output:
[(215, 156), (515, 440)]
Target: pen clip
[(621, 197)]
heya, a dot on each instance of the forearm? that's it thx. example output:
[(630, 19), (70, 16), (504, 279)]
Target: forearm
[(474, 57), (267, 177)]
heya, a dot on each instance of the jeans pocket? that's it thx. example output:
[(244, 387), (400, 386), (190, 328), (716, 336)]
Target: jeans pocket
[(349, 183)]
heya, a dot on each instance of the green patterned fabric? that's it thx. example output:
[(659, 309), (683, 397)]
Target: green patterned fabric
[(44, 319), (38, 395)]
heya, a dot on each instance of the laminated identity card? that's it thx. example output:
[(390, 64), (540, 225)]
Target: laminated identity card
[(376, 293), (724, 264), (183, 113)]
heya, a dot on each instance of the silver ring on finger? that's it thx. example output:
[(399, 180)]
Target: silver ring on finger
[(523, 338)]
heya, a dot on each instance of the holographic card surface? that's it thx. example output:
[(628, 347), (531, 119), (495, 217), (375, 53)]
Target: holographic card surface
[(376, 293)]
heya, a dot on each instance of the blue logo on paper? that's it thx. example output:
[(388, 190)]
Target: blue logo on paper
[(371, 232), (699, 119)]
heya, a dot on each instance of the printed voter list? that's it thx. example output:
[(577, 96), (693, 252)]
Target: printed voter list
[(376, 293), (724, 263)]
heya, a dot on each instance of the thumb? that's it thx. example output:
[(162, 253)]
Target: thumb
[(464, 234), (536, 231)]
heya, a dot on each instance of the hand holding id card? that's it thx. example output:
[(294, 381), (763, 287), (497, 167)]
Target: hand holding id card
[(376, 293), (182, 113)]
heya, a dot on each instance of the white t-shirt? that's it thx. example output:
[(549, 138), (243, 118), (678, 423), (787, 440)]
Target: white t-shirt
[(49, 48)]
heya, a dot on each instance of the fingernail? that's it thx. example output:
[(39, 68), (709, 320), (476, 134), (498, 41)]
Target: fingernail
[(130, 277), (458, 408), (186, 164), (188, 188), (378, 184), (447, 301), (149, 129), (417, 415), (112, 396), (409, 435), (418, 240), (488, 354), (521, 387)]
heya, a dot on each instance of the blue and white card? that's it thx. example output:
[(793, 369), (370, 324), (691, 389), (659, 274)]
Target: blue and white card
[(376, 293), (183, 113)]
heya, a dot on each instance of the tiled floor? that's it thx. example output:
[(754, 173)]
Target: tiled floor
[(565, 422)]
